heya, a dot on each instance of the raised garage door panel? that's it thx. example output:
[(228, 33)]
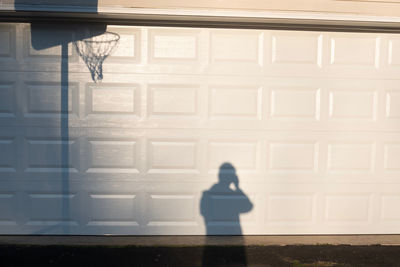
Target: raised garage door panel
[(309, 120)]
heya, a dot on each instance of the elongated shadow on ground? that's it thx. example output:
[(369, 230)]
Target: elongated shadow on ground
[(221, 206)]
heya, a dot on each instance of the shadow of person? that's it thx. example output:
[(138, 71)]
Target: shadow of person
[(221, 206)]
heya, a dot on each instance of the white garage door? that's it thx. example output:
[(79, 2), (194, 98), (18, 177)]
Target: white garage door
[(308, 122)]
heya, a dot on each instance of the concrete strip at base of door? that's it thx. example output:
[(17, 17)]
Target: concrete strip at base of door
[(274, 240)]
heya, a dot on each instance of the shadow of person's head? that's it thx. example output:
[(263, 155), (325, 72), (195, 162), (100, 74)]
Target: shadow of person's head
[(227, 175)]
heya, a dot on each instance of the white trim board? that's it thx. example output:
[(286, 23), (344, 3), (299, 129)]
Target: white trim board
[(222, 18)]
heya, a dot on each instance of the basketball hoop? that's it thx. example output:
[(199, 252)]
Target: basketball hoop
[(95, 50)]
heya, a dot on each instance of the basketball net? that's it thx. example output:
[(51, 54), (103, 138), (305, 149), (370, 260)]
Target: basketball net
[(95, 50)]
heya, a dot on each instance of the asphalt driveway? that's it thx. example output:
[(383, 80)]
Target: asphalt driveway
[(128, 255)]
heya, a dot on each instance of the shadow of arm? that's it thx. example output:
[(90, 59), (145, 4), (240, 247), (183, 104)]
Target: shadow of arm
[(245, 203)]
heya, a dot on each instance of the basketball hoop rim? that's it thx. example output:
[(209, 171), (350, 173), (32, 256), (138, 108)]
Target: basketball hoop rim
[(90, 40)]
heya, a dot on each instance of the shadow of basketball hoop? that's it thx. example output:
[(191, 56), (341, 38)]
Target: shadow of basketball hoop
[(93, 44), (86, 5), (95, 50)]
